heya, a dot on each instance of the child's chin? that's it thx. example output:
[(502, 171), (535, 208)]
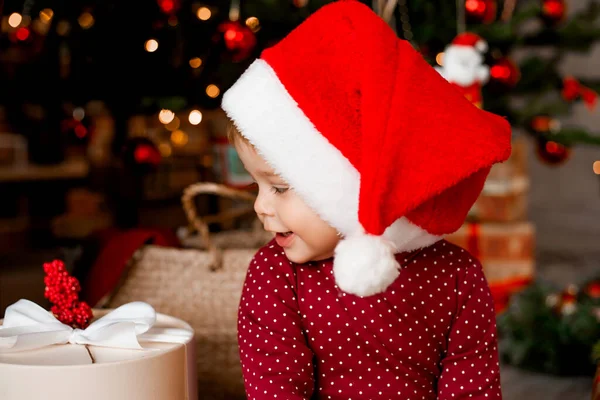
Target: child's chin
[(296, 256)]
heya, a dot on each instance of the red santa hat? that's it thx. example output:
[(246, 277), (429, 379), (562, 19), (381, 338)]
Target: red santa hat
[(369, 135), (469, 39)]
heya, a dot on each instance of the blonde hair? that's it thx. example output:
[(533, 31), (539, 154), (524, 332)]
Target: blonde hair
[(233, 133)]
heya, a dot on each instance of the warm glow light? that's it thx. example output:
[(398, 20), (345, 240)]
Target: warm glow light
[(63, 28), (173, 21), (212, 91), (46, 15), (195, 117), (15, 19), (151, 45), (195, 62), (203, 13), (78, 113), (22, 33), (253, 23), (173, 125), (440, 58), (179, 138), (165, 116), (597, 167), (165, 149), (86, 20)]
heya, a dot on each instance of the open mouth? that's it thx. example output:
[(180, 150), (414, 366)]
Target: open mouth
[(284, 239)]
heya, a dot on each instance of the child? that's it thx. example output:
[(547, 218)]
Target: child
[(364, 158)]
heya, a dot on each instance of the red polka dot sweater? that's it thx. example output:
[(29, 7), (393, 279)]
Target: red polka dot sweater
[(430, 335)]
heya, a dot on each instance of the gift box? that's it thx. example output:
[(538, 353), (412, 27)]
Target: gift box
[(159, 362), (502, 201), (515, 166), (504, 197), (489, 242)]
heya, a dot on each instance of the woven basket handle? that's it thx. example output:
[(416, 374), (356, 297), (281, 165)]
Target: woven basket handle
[(200, 224)]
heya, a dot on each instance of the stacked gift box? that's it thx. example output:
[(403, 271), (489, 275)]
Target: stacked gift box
[(497, 231)]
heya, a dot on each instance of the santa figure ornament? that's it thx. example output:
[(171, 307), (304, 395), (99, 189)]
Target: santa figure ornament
[(463, 66)]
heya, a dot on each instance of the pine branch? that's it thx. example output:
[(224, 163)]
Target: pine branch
[(575, 136)]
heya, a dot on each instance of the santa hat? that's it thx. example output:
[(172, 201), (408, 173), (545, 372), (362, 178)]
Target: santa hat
[(369, 135), (469, 39)]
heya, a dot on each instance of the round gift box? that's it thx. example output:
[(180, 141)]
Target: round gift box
[(161, 371)]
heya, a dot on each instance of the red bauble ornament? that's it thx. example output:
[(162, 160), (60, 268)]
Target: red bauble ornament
[(551, 152), (141, 152), (593, 290), (505, 71), (553, 11), (238, 39), (169, 7), (481, 11)]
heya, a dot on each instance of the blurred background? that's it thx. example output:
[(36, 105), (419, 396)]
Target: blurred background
[(110, 109)]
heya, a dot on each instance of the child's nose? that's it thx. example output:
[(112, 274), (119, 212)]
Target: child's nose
[(261, 206)]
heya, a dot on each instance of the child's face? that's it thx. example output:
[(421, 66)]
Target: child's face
[(302, 234)]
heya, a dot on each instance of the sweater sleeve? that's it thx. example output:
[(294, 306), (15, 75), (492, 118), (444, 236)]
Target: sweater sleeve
[(470, 368), (276, 361)]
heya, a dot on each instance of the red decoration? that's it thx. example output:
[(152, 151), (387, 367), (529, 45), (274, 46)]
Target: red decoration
[(141, 152), (572, 90), (63, 290), (505, 71), (22, 33), (169, 7), (481, 11), (544, 124), (551, 152), (553, 11), (238, 38), (593, 290)]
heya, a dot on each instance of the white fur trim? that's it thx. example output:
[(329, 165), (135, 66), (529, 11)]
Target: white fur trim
[(267, 115), (365, 265)]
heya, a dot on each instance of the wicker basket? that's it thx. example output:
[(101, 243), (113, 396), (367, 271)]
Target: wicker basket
[(202, 287)]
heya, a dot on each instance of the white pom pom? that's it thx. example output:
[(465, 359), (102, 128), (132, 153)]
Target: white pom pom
[(365, 265)]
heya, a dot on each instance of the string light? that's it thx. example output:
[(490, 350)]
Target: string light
[(173, 125), (86, 20), (22, 33), (440, 58), (46, 15), (203, 13), (78, 113), (597, 167), (213, 91), (63, 27), (15, 19), (165, 116), (179, 138), (195, 117), (196, 62), (151, 45), (165, 149), (253, 23)]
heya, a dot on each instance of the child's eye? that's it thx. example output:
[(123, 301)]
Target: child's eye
[(279, 190)]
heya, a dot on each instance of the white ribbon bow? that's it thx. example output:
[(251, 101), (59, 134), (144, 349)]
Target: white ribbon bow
[(28, 326)]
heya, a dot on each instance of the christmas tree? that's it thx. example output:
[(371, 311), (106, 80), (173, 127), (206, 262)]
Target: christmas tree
[(140, 57), (526, 42)]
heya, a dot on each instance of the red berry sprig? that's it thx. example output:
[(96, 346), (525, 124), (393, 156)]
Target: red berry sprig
[(63, 290)]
